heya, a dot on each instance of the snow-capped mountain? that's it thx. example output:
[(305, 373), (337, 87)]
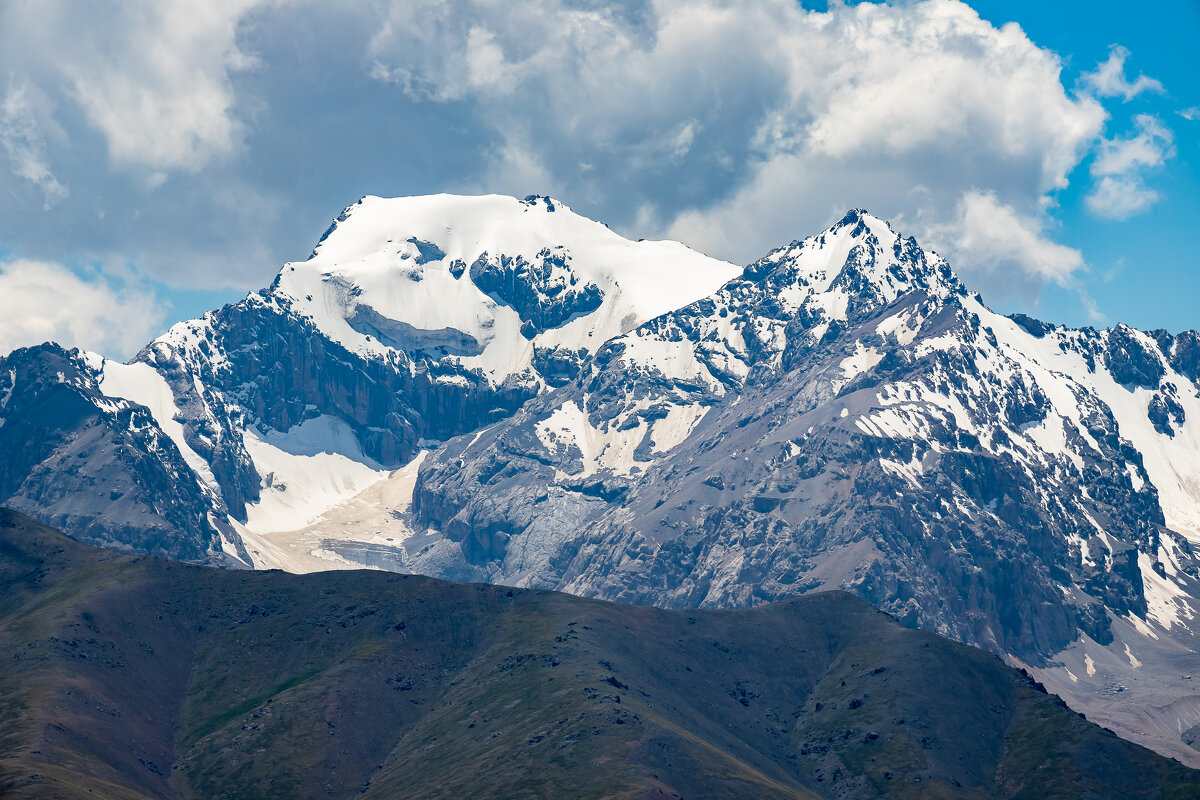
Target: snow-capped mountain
[(511, 288), (500, 390), (98, 466), (847, 414), (847, 362), (415, 319)]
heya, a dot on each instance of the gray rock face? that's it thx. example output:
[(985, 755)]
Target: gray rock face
[(100, 468), (418, 343), (248, 364), (846, 414), (544, 292), (385, 339), (256, 363)]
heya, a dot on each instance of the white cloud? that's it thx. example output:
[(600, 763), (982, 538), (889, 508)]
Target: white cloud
[(1120, 191), (591, 77), (771, 119), (22, 141), (1191, 114), (684, 139), (1090, 307), (733, 125), (1120, 198), (153, 78), (517, 167), (41, 301), (1148, 148), (1003, 243), (1109, 79)]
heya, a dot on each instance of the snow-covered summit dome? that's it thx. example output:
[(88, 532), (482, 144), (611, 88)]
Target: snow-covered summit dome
[(487, 279)]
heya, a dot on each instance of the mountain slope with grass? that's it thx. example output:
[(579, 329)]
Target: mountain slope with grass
[(131, 677)]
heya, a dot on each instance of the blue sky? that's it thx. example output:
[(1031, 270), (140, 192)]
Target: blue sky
[(158, 159), (1144, 271)]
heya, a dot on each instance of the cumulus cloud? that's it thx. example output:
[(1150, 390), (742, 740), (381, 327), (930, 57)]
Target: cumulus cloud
[(1148, 147), (740, 125), (996, 238), (733, 126), (595, 90), (42, 301), (153, 78), (1108, 80), (113, 102), (1120, 166)]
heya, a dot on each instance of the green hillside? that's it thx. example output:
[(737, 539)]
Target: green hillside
[(128, 677)]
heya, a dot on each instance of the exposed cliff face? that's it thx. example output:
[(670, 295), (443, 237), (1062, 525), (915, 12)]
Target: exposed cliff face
[(847, 414), (415, 320), (256, 363), (100, 467), (545, 292), (634, 421)]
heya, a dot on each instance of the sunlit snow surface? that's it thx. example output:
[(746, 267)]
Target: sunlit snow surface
[(307, 470), (373, 257), (1005, 353), (404, 265), (408, 260), (395, 257), (142, 384)]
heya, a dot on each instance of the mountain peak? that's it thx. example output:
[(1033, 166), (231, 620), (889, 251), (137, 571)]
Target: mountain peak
[(542, 201), (858, 261), (489, 280), (862, 223), (373, 220)]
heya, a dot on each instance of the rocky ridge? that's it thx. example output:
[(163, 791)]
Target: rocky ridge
[(848, 392), (414, 320), (634, 421), (847, 414)]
